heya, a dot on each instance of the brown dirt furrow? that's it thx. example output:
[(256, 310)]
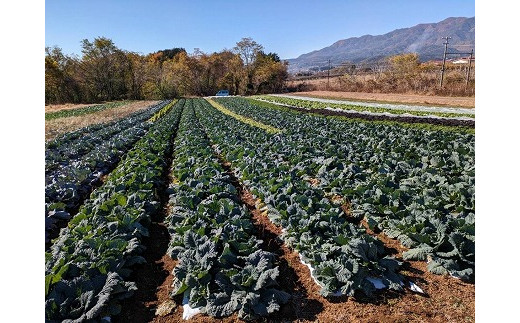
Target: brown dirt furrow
[(294, 277), (152, 278), (392, 246), (162, 292)]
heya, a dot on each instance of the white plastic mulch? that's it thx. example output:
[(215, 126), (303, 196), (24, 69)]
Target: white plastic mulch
[(187, 311), (385, 105), (378, 283)]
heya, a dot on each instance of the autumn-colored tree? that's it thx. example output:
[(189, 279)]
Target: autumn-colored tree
[(136, 75), (105, 72), (269, 74), (235, 76), (404, 64), (54, 76), (179, 73), (60, 83), (156, 85), (103, 68)]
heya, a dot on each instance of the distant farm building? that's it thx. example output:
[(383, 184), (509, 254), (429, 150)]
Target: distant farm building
[(464, 60)]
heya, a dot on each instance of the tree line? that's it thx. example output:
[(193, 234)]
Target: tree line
[(105, 72)]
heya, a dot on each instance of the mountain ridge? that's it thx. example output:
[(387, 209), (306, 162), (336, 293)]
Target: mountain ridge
[(425, 39)]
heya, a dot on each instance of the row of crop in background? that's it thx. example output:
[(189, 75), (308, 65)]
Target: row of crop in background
[(315, 104), (83, 110)]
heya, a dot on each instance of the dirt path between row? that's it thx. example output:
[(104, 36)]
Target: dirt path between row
[(464, 102), (294, 277), (154, 278)]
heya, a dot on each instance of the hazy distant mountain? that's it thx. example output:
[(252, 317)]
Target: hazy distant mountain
[(424, 39)]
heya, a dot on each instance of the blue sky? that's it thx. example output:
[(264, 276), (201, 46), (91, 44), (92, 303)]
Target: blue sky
[(289, 28)]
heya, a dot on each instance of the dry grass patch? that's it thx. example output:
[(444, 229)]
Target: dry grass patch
[(59, 126), (66, 106), (463, 102)]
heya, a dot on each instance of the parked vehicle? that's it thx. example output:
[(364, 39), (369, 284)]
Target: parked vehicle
[(222, 93)]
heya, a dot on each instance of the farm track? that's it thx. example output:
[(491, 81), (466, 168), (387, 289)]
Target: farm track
[(405, 119), (153, 279)]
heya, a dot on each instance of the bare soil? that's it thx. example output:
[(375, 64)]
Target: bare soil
[(463, 102), (59, 126)]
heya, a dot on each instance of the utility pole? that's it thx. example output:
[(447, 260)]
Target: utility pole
[(469, 68), (328, 77), (444, 59)]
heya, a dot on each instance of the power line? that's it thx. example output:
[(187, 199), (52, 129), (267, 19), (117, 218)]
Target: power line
[(458, 53), (444, 59), (328, 76)]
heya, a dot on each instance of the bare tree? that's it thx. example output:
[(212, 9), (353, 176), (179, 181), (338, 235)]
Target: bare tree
[(247, 48)]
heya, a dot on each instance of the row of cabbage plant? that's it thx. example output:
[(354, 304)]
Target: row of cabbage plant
[(416, 185), (312, 104), (343, 257), (88, 266), (74, 167), (221, 268)]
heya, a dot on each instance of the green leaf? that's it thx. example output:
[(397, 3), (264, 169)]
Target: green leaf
[(121, 199), (419, 253)]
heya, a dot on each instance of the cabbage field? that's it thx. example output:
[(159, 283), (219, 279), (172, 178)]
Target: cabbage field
[(370, 210)]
